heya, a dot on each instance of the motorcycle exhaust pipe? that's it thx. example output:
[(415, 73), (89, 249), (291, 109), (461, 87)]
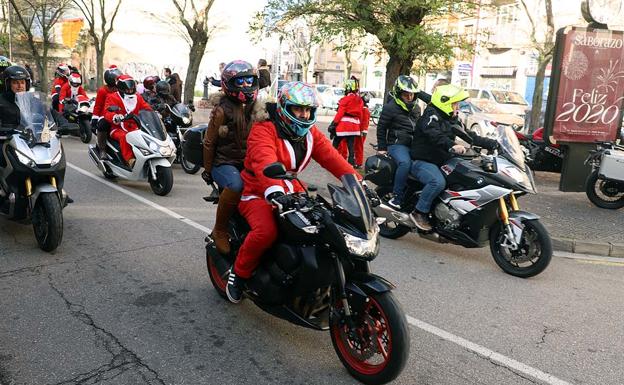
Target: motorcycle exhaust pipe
[(96, 159), (392, 215)]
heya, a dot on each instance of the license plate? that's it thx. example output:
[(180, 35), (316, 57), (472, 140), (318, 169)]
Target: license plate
[(556, 152)]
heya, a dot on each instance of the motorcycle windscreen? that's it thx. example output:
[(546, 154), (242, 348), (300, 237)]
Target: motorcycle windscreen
[(35, 118), (352, 199), (510, 145), (151, 124), (181, 110)]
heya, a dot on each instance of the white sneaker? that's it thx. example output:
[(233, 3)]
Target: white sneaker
[(394, 203)]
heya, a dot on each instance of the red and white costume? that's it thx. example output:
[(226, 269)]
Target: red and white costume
[(57, 85), (349, 115), (359, 140), (67, 92), (100, 101), (264, 146), (119, 131)]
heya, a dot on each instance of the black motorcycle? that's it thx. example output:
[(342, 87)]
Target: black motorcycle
[(78, 111), (478, 207), (317, 275), (177, 121), (538, 154), (32, 172)]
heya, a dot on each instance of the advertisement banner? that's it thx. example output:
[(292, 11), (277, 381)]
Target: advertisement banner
[(591, 86)]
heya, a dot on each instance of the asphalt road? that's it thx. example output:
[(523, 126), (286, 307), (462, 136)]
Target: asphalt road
[(126, 299)]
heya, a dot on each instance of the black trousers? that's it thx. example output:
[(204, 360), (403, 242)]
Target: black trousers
[(350, 146)]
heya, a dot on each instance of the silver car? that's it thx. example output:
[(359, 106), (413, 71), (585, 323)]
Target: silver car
[(483, 117)]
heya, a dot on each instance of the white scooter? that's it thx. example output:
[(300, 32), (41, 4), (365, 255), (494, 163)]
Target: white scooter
[(153, 149)]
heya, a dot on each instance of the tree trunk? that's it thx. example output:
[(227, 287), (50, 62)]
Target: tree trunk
[(196, 55), (395, 67), (538, 90), (348, 65), (42, 70), (99, 67), (304, 70)]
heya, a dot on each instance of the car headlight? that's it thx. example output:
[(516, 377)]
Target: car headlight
[(360, 246), (25, 159)]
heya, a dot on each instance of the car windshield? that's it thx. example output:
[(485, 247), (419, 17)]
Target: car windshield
[(508, 97), (152, 125), (338, 91), (487, 106), (510, 145), (35, 119)]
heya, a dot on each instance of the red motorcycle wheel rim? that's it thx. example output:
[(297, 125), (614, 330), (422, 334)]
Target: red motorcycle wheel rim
[(380, 330), (214, 272)]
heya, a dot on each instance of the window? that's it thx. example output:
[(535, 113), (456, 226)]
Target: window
[(507, 14)]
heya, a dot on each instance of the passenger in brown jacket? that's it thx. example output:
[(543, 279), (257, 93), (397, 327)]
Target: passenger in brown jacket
[(225, 142)]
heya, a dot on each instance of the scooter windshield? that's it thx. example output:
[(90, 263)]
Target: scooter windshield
[(152, 125), (510, 145), (352, 199), (35, 119), (181, 110)]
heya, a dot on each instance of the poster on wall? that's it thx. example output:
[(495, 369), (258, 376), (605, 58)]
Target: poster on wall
[(590, 90)]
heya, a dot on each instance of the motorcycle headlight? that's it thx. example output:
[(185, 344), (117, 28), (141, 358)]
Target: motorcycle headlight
[(166, 151), (363, 247), (513, 173), (25, 159), (154, 147), (186, 120), (57, 157)]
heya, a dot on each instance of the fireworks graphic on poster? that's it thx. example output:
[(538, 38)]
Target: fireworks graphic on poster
[(575, 67), (609, 77)]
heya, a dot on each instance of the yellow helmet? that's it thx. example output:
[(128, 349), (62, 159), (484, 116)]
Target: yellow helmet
[(444, 97)]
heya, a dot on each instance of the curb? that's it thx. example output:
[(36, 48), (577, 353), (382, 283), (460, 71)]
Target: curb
[(607, 249)]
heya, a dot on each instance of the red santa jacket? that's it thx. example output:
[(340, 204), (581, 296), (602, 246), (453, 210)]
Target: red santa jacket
[(349, 115), (67, 93), (264, 146), (100, 101), (115, 99), (57, 84), (365, 120)]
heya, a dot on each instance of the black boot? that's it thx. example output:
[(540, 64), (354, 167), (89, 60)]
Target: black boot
[(234, 288), (102, 137)]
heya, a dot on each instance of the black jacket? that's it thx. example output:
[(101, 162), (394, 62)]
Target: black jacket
[(436, 133), (396, 126), (264, 78), (9, 112)]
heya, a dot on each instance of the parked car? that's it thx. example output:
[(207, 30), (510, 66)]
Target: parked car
[(509, 101), (375, 97), (320, 88), (484, 116), (331, 96)]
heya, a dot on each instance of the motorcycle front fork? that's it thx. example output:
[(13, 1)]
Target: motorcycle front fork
[(509, 240)]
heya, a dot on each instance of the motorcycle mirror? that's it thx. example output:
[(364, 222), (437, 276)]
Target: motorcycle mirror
[(113, 108)]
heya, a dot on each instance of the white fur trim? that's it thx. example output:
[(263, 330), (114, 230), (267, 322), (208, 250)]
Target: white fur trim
[(309, 140), (291, 188), (291, 152), (272, 189), (349, 133), (246, 198), (350, 119)]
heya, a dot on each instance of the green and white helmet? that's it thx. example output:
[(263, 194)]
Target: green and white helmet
[(404, 83)]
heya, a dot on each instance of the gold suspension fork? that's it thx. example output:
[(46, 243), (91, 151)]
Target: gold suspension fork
[(513, 202), (504, 216), (53, 182), (28, 184)]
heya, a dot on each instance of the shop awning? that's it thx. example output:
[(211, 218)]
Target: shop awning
[(498, 72)]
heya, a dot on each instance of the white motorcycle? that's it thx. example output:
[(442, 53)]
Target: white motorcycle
[(153, 149), (605, 185), (32, 172)]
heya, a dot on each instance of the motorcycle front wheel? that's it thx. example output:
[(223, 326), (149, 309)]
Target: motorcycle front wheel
[(163, 183), (533, 255), (604, 193), (47, 220), (376, 351), (85, 131)]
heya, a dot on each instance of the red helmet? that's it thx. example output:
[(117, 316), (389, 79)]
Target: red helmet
[(75, 80), (110, 75), (150, 82), (126, 85), (239, 80)]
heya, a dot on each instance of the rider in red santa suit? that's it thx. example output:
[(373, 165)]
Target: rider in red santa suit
[(346, 123), (287, 135), (129, 102), (71, 89), (97, 120)]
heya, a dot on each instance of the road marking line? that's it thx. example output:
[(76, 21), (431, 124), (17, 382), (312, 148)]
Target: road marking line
[(141, 199), (487, 353), (476, 348)]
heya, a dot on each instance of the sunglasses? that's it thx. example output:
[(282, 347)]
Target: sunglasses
[(244, 79)]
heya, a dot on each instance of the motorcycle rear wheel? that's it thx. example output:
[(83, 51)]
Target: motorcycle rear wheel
[(533, 256), (379, 351), (219, 281), (595, 186), (47, 221), (389, 229)]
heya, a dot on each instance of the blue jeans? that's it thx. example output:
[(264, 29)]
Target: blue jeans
[(430, 175), (401, 156), (227, 176)]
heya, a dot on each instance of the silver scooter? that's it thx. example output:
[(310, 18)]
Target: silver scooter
[(153, 149), (32, 172)]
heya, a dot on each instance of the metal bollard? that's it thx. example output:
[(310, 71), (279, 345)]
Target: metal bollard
[(206, 82)]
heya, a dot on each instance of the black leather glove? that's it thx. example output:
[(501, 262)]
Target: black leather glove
[(283, 201), (332, 130), (207, 177)]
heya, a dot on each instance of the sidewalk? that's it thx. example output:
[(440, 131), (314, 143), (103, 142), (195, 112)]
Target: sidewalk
[(574, 223)]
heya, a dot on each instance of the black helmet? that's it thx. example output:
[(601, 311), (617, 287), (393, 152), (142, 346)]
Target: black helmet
[(15, 73), (163, 88), (110, 75), (379, 169), (126, 85)]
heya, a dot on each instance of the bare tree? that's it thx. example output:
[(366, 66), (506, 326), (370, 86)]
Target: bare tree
[(194, 19), (99, 28), (544, 46), (40, 16)]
